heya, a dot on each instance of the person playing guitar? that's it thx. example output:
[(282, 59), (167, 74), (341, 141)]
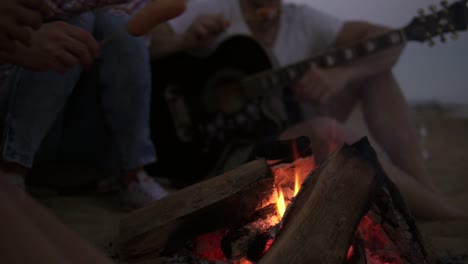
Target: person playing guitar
[(293, 32)]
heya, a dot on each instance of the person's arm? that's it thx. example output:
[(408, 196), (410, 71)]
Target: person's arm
[(164, 41), (320, 85), (203, 30), (56, 46), (17, 18)]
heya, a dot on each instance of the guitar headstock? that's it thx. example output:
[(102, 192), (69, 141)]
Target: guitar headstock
[(450, 18)]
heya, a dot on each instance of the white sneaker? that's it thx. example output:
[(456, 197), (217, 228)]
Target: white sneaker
[(142, 192)]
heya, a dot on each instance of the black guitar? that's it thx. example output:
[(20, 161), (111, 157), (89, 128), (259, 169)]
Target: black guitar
[(202, 106)]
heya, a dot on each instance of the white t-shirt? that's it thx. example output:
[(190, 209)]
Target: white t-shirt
[(303, 30)]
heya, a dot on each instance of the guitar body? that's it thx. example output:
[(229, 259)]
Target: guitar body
[(198, 107)]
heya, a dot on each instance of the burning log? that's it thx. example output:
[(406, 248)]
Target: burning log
[(389, 232), (346, 211), (320, 224), (251, 237), (216, 203), (342, 202)]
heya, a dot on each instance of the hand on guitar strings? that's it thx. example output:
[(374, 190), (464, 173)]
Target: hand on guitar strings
[(204, 30), (319, 86)]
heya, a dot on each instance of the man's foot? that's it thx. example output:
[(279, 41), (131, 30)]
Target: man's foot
[(142, 191)]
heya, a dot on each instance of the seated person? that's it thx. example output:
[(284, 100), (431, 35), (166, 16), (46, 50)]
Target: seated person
[(37, 97), (30, 233), (293, 32)]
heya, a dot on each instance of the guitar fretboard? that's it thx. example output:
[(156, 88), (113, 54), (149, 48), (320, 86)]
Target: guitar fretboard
[(263, 82)]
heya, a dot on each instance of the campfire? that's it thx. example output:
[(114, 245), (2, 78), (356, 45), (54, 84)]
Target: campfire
[(281, 209)]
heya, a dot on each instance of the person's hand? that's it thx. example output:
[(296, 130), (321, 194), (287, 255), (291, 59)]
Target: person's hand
[(57, 46), (204, 30), (318, 86), (17, 18)]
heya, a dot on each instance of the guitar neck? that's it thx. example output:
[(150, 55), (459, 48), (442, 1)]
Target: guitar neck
[(264, 82)]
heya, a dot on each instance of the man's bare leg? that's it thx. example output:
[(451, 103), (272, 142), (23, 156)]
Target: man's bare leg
[(389, 119), (327, 135), (391, 123)]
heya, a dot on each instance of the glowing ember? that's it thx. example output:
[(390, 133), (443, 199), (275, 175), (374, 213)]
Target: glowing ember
[(350, 253), (208, 247), (243, 261), (378, 246)]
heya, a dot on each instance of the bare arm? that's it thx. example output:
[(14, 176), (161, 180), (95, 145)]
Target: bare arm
[(320, 85), (164, 41), (199, 35), (55, 46)]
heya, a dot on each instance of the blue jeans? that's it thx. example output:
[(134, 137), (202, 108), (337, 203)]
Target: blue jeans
[(118, 95)]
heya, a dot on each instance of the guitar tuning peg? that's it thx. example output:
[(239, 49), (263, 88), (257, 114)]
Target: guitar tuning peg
[(446, 7), (441, 34), (433, 9), (442, 38), (429, 39), (422, 14), (454, 32)]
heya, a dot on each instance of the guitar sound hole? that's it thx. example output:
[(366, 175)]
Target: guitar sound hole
[(223, 94)]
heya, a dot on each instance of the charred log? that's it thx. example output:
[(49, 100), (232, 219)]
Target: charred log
[(250, 238), (222, 201), (348, 193)]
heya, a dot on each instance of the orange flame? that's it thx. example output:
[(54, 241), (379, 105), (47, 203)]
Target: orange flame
[(296, 170), (280, 204), (296, 183)]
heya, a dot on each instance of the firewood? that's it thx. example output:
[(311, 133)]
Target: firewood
[(347, 211), (320, 224), (393, 223), (218, 202), (250, 238), (348, 200)]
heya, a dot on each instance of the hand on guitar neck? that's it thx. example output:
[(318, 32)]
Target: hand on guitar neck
[(318, 86)]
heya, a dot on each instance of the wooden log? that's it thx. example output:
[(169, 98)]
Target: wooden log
[(395, 237), (320, 224), (213, 204), (250, 238)]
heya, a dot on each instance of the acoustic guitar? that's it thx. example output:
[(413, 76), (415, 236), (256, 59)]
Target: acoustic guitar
[(202, 106)]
